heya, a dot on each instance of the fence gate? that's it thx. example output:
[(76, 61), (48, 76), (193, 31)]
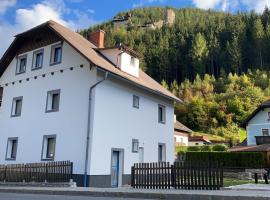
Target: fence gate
[(180, 175)]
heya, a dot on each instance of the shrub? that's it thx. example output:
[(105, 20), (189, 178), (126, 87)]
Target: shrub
[(206, 148), (229, 159), (220, 147), (193, 148)]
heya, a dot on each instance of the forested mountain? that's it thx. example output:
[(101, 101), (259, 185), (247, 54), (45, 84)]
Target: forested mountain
[(233, 49)]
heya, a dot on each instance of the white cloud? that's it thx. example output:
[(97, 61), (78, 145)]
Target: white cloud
[(26, 18), (5, 4), (232, 5)]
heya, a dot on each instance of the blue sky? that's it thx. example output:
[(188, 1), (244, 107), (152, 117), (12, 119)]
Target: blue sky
[(18, 15)]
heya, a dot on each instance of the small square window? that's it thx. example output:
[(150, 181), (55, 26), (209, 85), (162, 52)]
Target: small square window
[(135, 145), (37, 59), (48, 147), (12, 146), (265, 132), (16, 107), (21, 64), (136, 101), (161, 114), (53, 101), (56, 54)]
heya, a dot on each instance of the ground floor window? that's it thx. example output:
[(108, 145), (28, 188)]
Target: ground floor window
[(48, 149), (12, 145), (161, 152), (265, 132)]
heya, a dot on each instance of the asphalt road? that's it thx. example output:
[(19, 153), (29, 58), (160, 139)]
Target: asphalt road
[(12, 196)]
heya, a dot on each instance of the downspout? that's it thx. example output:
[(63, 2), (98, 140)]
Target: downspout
[(89, 127)]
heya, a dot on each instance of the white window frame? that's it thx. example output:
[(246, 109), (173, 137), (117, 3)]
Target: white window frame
[(136, 98), (14, 106), (162, 154), (132, 60), (18, 66), (10, 148), (52, 59), (265, 129), (163, 117), (44, 152), (34, 60), (135, 145), (49, 101)]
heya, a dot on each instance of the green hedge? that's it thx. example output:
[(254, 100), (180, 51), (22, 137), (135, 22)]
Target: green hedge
[(229, 159)]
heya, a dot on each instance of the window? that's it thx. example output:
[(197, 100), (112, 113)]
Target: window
[(16, 107), (1, 96), (48, 147), (265, 132), (53, 100), (161, 152), (136, 101), (37, 59), (21, 64), (12, 146), (268, 116), (56, 54), (135, 145), (132, 60), (161, 114)]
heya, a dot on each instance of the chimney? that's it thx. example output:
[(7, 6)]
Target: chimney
[(97, 38)]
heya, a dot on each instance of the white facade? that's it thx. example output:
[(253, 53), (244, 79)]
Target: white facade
[(256, 125), (114, 121), (196, 143), (180, 140)]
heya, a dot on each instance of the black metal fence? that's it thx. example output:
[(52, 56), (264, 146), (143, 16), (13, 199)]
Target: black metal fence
[(37, 172), (180, 175)]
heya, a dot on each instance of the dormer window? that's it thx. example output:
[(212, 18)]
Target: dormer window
[(56, 54), (21, 64), (37, 59)]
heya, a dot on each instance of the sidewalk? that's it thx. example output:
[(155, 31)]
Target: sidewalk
[(227, 194)]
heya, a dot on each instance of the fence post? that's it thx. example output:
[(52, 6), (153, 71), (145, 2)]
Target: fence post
[(132, 177), (46, 172), (172, 176)]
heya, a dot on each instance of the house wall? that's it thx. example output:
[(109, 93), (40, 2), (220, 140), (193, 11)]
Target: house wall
[(256, 124), (197, 143), (117, 122), (69, 124), (180, 140)]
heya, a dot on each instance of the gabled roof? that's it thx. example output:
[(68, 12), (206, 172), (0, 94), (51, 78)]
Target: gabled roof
[(178, 126), (88, 51), (198, 139), (264, 105)]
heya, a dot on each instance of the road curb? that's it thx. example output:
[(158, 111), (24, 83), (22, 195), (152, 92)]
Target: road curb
[(140, 195)]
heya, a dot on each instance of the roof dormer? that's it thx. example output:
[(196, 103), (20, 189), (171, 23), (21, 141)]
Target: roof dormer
[(126, 59)]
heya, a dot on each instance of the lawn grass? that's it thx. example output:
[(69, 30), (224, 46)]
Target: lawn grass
[(231, 182), (210, 136)]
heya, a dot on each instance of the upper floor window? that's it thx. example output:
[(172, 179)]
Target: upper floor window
[(265, 132), (161, 114), (12, 146), (16, 107), (53, 100), (37, 59), (56, 54), (136, 101), (21, 64)]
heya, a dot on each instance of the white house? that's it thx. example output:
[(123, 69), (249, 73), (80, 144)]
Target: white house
[(181, 134), (258, 125), (65, 98)]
